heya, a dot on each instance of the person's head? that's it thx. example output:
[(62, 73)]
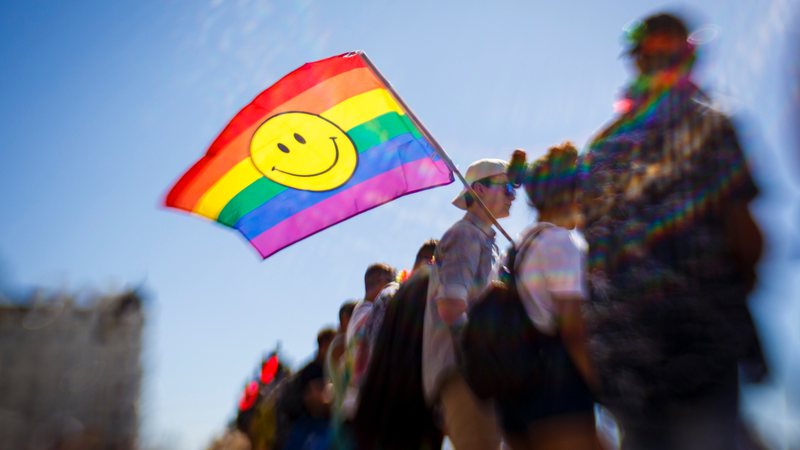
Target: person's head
[(324, 338), (425, 253), (345, 313), (376, 277), (659, 43), (489, 180), (316, 395), (550, 183)]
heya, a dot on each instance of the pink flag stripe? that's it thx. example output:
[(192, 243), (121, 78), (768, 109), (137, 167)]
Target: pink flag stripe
[(406, 179)]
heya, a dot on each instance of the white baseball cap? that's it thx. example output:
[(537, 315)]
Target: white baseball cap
[(480, 169)]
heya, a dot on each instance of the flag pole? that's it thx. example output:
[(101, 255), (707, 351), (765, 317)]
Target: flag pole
[(438, 148)]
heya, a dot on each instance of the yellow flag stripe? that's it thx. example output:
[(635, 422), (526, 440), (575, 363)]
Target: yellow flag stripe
[(362, 108), (239, 177)]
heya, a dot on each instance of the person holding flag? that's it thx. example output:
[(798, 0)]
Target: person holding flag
[(463, 261)]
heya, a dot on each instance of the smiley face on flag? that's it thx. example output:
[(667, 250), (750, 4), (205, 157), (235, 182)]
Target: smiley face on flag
[(303, 151)]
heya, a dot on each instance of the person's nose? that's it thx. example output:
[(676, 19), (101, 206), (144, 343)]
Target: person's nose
[(511, 192)]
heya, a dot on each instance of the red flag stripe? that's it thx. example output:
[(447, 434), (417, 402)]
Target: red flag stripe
[(301, 90)]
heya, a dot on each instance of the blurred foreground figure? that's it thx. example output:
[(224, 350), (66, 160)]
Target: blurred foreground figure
[(556, 409), (672, 253)]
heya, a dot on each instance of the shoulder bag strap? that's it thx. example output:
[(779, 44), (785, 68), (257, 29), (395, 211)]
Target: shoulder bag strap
[(515, 251)]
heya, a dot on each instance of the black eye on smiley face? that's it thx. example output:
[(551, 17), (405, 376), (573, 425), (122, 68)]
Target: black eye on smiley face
[(297, 137)]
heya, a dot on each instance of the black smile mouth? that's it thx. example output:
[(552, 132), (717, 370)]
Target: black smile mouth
[(333, 164)]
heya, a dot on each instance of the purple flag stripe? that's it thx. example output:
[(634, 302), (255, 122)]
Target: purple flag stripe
[(406, 179)]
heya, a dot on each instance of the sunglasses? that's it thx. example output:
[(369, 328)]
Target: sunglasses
[(508, 186)]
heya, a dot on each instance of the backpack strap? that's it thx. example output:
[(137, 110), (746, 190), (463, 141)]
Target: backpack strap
[(509, 271)]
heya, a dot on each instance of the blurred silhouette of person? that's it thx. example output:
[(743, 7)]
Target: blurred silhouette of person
[(347, 372), (345, 313), (557, 410), (307, 401), (265, 426), (392, 411), (357, 342), (337, 347), (335, 370), (672, 253)]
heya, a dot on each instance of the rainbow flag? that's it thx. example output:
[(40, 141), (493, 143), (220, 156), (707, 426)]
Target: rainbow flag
[(326, 142)]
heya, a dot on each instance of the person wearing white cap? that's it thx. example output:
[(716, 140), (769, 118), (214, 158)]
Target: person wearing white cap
[(464, 259)]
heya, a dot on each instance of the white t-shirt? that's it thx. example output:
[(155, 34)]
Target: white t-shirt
[(552, 264)]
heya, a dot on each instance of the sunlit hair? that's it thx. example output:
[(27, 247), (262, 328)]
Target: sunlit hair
[(638, 36), (550, 180), (379, 273), (425, 252), (469, 200), (325, 336), (346, 310)]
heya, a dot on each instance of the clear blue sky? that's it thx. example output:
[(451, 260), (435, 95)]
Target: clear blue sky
[(106, 103)]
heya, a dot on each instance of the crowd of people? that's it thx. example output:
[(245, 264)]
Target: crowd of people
[(631, 288)]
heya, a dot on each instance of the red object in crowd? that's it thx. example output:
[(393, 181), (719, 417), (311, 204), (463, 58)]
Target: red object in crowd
[(269, 369), (403, 276), (623, 106), (249, 396)]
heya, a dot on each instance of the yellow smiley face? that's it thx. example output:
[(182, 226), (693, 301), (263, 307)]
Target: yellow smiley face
[(303, 151)]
